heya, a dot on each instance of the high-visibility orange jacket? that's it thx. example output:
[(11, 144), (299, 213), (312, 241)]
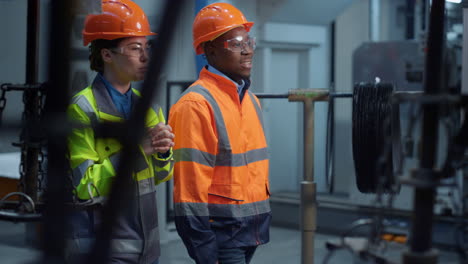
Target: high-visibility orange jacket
[(221, 189)]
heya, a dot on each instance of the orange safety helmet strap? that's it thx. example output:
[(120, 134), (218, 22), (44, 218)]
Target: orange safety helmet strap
[(119, 19), (214, 20)]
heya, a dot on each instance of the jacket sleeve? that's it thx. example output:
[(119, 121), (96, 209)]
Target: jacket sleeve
[(163, 164), (195, 142), (92, 176)]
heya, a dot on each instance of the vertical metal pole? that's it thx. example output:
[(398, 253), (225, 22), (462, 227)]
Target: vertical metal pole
[(465, 79), (424, 14), (31, 100), (421, 232), (465, 49), (32, 42), (308, 187), (410, 7), (374, 20), (55, 107)]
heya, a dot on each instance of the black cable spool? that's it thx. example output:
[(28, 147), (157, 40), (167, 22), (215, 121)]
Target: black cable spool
[(375, 137)]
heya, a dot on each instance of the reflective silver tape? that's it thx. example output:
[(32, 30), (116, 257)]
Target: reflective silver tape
[(146, 186), (126, 246), (103, 99), (223, 139), (84, 245), (83, 103), (222, 210), (225, 157), (241, 159), (114, 159), (195, 155), (222, 159), (80, 171), (258, 109), (191, 209)]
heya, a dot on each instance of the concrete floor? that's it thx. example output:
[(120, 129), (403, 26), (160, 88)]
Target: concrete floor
[(284, 248), (7, 137)]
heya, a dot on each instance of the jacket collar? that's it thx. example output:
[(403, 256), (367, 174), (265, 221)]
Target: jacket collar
[(212, 69), (225, 84), (103, 99)]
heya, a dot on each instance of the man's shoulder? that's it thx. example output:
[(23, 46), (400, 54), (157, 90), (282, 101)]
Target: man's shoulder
[(193, 92), (191, 96), (191, 100)]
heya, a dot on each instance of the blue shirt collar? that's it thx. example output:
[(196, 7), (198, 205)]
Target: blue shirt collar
[(111, 88), (123, 102), (215, 71)]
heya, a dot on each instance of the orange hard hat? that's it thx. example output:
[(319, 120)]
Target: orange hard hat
[(214, 20), (119, 19)]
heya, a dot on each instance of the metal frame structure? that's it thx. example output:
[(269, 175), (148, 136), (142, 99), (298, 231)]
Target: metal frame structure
[(55, 210), (30, 143), (308, 185), (55, 214), (57, 197), (308, 200)]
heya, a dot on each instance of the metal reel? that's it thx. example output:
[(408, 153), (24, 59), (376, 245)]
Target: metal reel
[(375, 137)]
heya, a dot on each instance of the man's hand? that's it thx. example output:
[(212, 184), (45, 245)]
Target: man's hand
[(159, 139)]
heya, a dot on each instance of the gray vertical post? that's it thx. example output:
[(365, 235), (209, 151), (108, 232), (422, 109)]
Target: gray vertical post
[(55, 211), (465, 79), (374, 20), (410, 19), (308, 186), (465, 48), (31, 97)]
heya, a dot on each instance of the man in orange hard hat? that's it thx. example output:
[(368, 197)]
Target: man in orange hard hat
[(119, 54), (221, 188)]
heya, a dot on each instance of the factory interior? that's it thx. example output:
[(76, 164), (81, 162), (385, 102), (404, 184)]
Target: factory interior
[(363, 106)]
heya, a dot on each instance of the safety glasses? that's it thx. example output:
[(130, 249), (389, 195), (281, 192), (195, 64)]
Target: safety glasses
[(134, 50), (239, 44)]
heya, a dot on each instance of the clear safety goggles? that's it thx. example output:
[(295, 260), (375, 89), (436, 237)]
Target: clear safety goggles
[(239, 44), (134, 50)]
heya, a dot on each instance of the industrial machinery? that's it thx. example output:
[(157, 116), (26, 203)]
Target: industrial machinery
[(378, 151)]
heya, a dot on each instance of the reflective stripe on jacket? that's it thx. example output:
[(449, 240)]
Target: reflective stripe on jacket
[(93, 163), (221, 173)]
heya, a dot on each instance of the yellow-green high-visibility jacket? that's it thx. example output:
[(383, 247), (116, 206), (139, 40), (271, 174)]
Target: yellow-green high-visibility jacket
[(94, 161)]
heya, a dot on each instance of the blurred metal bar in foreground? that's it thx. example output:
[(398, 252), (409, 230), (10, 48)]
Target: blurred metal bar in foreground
[(121, 193), (31, 102), (421, 250), (55, 106)]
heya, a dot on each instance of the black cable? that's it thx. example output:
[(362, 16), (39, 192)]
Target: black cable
[(329, 144)]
